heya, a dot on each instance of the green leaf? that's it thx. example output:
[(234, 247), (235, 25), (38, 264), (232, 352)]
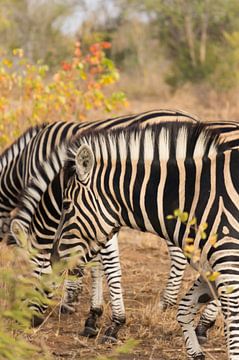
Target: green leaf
[(127, 347), (184, 217), (177, 212)]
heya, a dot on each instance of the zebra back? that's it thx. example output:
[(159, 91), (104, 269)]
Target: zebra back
[(142, 185)]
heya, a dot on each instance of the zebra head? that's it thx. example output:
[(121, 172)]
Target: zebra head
[(84, 227)]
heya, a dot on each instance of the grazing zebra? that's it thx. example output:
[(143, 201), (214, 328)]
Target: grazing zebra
[(26, 166), (184, 167), (11, 176), (74, 182)]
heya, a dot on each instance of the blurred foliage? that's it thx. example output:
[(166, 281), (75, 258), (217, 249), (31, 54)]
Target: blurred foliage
[(191, 251), (226, 74), (15, 315), (30, 95), (194, 38), (19, 289), (35, 27)]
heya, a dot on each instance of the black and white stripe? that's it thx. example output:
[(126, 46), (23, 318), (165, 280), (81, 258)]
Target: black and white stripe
[(11, 176), (148, 174)]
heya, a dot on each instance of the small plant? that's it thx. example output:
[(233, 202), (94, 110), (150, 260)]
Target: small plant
[(126, 348)]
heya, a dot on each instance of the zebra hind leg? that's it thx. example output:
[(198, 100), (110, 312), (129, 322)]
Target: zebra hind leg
[(198, 295), (228, 295), (207, 320)]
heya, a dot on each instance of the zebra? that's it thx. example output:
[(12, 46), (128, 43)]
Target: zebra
[(24, 164), (202, 145), (11, 179), (136, 191)]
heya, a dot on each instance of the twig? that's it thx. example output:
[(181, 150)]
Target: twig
[(152, 352)]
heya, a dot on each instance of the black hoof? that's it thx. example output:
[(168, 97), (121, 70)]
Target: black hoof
[(89, 332), (108, 340), (201, 332), (67, 309), (36, 321), (199, 357)]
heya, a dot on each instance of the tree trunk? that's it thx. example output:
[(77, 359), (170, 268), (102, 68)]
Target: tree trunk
[(203, 39), (190, 38)]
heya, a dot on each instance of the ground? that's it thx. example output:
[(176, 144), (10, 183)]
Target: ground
[(145, 266)]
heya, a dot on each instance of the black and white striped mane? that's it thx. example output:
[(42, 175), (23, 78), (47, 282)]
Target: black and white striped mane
[(173, 140), (14, 149)]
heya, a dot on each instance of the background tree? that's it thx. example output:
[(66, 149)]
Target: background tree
[(192, 34), (35, 26)]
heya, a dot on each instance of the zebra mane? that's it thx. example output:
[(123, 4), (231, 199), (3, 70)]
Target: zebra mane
[(17, 146), (173, 141)]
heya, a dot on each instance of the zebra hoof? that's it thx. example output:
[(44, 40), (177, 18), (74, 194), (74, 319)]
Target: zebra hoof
[(36, 321), (89, 332), (201, 332), (199, 357), (108, 340), (67, 309)]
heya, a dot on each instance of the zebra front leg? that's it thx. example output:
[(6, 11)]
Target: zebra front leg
[(177, 267), (207, 320), (96, 310), (112, 270), (72, 290), (41, 270), (198, 295)]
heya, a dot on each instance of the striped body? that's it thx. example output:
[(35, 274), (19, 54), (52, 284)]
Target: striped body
[(136, 178), (12, 176), (48, 212)]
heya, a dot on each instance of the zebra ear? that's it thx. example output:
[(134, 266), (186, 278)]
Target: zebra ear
[(18, 234), (84, 162)]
